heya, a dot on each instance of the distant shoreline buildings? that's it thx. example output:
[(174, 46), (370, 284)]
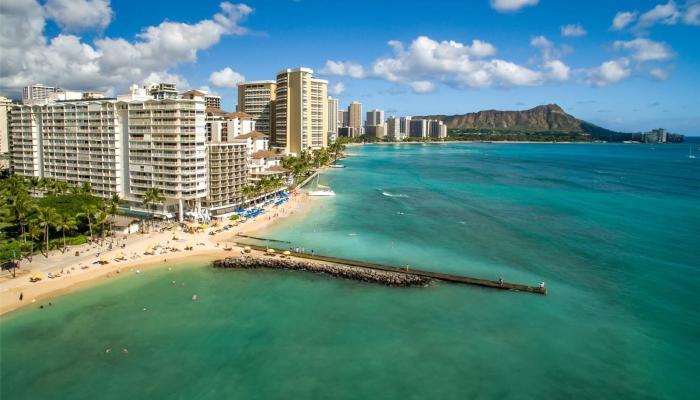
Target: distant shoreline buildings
[(198, 155)]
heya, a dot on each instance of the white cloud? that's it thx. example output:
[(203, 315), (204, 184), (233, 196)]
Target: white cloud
[(511, 5), (426, 62), (557, 70), (659, 74), (645, 49), (423, 86), (226, 78), (573, 30), (623, 19), (78, 15), (692, 15), (541, 42), (663, 13), (609, 72), (157, 77), (342, 68), (337, 89), (30, 57)]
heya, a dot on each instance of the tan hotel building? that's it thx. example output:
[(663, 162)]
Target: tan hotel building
[(301, 111), (257, 98)]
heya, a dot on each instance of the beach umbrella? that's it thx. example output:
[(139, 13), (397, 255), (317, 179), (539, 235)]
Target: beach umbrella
[(103, 260), (287, 252), (247, 248), (271, 251)]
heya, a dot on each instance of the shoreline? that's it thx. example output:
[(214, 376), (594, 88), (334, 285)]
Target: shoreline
[(83, 271)]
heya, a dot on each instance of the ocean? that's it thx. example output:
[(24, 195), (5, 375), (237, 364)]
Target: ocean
[(612, 230)]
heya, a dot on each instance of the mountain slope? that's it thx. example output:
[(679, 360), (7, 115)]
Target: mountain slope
[(541, 119)]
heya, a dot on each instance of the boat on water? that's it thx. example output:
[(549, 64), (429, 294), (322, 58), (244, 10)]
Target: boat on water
[(336, 166), (690, 153)]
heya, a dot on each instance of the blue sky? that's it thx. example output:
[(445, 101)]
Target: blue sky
[(630, 76)]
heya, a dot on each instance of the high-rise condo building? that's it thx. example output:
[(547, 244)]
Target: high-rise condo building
[(5, 105), (374, 117), (332, 117), (355, 116), (161, 91), (405, 127), (342, 118), (120, 146), (224, 127), (301, 111), (418, 128), (257, 98), (437, 129), (227, 175), (393, 125), (212, 101), (37, 92)]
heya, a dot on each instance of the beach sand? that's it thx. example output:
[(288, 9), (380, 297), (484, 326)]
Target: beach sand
[(84, 270)]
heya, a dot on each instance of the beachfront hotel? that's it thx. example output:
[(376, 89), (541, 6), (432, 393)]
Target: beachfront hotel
[(301, 111), (332, 119), (355, 117), (257, 99), (122, 145)]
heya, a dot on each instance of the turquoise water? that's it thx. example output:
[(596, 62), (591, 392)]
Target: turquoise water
[(613, 230)]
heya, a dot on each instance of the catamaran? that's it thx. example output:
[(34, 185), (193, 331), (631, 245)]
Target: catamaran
[(321, 190)]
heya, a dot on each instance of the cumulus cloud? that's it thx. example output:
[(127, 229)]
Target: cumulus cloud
[(645, 49), (226, 78), (659, 74), (511, 5), (573, 30), (337, 89), (666, 14), (28, 56), (623, 19), (342, 68), (423, 86), (426, 62), (78, 15), (609, 72)]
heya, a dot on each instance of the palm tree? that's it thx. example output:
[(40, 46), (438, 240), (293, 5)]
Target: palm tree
[(113, 207), (46, 218), (86, 188), (152, 196), (33, 233), (88, 212), (65, 223)]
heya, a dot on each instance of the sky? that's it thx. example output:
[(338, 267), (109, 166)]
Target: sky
[(624, 65)]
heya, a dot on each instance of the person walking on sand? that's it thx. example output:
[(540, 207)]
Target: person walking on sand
[(21, 296)]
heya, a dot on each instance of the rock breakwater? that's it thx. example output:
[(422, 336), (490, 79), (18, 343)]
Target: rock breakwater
[(387, 278)]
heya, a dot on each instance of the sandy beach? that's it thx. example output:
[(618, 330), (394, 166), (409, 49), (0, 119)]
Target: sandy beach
[(78, 271)]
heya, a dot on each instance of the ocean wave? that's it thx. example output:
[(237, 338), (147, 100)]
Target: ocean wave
[(387, 194)]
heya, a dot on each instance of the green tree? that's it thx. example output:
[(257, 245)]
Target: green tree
[(152, 197), (65, 224), (46, 218), (88, 212)]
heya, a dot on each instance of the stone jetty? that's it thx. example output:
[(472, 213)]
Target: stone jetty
[(387, 278)]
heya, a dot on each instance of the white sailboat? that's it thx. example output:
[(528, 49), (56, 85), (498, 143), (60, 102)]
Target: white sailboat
[(321, 190), (690, 153)]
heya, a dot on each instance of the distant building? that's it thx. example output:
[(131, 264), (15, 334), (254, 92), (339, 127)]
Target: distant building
[(378, 131), (418, 128), (332, 118), (38, 92), (212, 101), (257, 98), (348, 131), (655, 136), (343, 118), (374, 117), (393, 128), (405, 127), (355, 116), (437, 129), (161, 91), (5, 105)]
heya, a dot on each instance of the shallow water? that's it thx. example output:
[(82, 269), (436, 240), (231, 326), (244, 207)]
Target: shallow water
[(611, 229)]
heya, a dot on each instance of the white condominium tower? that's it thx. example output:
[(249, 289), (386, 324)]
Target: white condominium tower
[(393, 128), (120, 146), (257, 98), (332, 117), (301, 111)]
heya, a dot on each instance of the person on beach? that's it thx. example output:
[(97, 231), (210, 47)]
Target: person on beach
[(21, 296), (542, 285), (500, 280)]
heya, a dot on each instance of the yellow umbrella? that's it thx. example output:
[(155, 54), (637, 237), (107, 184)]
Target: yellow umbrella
[(103, 260), (287, 252), (271, 251), (247, 248)]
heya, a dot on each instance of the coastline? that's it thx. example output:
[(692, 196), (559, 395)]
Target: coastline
[(84, 270)]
